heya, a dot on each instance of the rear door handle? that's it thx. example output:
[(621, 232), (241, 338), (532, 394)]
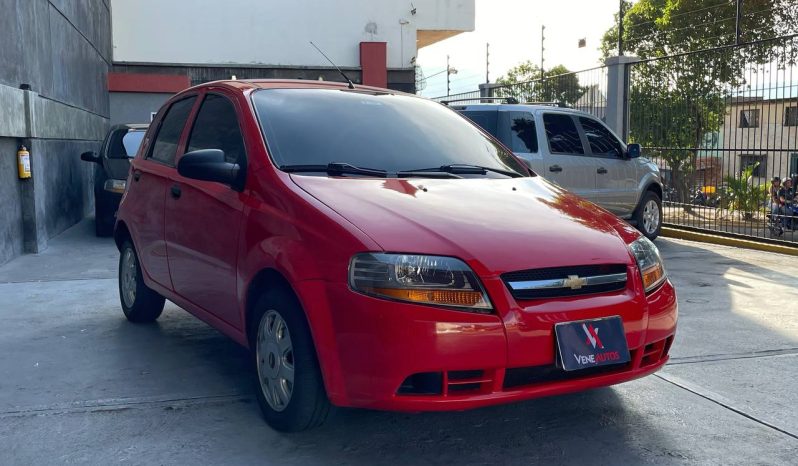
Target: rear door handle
[(176, 192), (136, 175), (601, 171), (555, 168)]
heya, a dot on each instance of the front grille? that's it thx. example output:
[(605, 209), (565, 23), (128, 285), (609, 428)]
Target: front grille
[(535, 279)]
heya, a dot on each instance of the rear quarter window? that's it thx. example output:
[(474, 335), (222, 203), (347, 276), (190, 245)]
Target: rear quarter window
[(487, 120)]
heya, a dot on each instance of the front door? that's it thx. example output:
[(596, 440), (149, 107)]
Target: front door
[(149, 178), (203, 218)]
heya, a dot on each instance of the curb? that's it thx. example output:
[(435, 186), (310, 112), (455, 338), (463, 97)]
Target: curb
[(727, 241)]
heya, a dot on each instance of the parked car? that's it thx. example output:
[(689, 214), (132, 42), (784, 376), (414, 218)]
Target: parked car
[(374, 249), (580, 153), (110, 173)]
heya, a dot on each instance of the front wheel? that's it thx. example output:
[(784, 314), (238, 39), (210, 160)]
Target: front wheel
[(139, 302), (289, 385), (649, 215)]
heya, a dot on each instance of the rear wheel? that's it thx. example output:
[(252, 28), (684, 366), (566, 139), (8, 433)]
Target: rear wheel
[(289, 386), (139, 302), (649, 215)]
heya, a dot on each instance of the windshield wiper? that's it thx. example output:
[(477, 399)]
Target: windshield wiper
[(335, 168), (463, 169)]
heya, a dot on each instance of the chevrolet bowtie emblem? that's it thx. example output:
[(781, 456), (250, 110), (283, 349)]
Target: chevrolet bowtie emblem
[(574, 282)]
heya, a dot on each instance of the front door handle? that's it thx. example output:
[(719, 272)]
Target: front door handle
[(601, 171), (176, 192), (136, 175), (555, 168)]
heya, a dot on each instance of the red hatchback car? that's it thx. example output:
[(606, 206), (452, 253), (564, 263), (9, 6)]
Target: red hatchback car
[(375, 249)]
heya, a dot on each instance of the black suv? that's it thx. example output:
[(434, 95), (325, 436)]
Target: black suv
[(110, 174)]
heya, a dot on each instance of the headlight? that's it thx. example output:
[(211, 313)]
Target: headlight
[(115, 186), (649, 262), (436, 280)]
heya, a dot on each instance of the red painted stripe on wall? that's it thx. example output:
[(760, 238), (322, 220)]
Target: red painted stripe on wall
[(374, 63), (144, 82)]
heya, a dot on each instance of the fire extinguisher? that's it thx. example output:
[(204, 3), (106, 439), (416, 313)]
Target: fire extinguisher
[(23, 162)]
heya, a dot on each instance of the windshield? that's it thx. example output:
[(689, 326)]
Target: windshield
[(131, 142), (379, 131)]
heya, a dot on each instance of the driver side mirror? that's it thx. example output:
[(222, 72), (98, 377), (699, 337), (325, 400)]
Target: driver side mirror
[(90, 157), (633, 151), (209, 165)]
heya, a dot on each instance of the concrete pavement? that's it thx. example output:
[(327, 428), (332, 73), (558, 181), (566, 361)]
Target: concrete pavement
[(79, 384)]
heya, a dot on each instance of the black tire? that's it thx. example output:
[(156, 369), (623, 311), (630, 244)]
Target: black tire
[(644, 219), (307, 406), (144, 305)]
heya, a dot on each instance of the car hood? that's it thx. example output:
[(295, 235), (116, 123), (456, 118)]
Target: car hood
[(502, 225)]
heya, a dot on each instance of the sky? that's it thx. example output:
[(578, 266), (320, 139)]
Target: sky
[(512, 27)]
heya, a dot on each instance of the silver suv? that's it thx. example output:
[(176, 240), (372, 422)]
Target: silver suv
[(579, 153)]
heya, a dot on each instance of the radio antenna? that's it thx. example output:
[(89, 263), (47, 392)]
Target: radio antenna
[(351, 84)]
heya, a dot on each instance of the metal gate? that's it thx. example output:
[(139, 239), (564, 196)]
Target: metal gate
[(722, 125)]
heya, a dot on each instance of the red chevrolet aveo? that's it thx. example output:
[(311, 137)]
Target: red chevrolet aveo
[(375, 249)]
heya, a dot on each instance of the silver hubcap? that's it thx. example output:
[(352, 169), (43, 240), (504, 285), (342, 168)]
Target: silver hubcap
[(275, 360), (127, 273), (651, 216)]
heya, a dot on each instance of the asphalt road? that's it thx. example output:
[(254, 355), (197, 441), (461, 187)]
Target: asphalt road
[(80, 385)]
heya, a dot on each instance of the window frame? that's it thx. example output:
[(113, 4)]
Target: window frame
[(620, 156), (218, 93), (577, 126), (180, 140)]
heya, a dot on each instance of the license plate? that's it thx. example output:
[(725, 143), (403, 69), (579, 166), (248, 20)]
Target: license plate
[(591, 343)]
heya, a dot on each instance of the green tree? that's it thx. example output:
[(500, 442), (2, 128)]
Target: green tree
[(524, 82), (676, 100)]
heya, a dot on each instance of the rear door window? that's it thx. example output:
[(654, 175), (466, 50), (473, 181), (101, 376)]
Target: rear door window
[(602, 141), (216, 127), (562, 134), (164, 148), (523, 134)]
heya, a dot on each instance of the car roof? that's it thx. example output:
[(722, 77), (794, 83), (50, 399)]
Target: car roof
[(243, 85), (518, 107)]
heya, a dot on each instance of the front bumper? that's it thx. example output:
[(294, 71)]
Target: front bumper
[(376, 346)]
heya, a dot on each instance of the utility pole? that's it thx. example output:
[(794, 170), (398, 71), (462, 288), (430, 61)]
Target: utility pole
[(448, 74), (620, 29), (737, 29), (542, 48), (487, 62)]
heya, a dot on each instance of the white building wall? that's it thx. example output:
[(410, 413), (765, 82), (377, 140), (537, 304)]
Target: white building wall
[(276, 32)]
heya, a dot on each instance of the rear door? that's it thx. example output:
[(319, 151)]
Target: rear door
[(567, 163), (149, 178), (203, 218), (616, 175)]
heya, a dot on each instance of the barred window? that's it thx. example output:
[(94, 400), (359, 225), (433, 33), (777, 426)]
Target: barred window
[(749, 118), (791, 116), (748, 160)]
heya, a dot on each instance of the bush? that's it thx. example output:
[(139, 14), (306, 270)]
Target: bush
[(742, 195)]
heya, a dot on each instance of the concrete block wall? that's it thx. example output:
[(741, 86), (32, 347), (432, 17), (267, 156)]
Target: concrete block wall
[(62, 50)]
